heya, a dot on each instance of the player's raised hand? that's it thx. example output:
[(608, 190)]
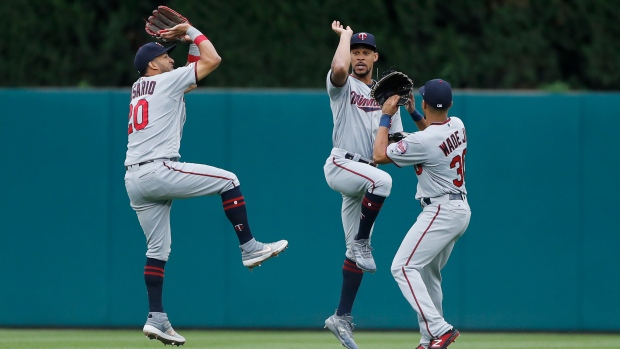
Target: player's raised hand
[(390, 106), (339, 29), (178, 30), (410, 105)]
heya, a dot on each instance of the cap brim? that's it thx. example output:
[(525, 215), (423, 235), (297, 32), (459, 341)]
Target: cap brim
[(164, 50), (421, 90), (168, 49), (374, 48)]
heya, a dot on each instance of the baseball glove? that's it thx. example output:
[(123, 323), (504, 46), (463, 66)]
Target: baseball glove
[(164, 18), (397, 136), (392, 83)]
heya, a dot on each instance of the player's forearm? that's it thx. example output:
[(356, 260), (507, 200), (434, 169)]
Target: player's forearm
[(422, 125), (208, 58), (342, 58), (193, 55), (419, 119), (381, 142)]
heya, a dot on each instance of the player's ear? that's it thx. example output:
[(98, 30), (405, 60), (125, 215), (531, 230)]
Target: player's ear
[(424, 105), (153, 66), (376, 57)]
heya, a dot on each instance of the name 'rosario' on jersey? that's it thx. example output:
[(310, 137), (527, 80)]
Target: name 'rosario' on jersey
[(142, 88), (452, 142)]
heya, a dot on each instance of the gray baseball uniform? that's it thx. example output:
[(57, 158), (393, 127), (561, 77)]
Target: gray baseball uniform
[(438, 156), (356, 121), (154, 176)]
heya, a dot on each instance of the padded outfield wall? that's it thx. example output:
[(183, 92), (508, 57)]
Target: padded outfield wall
[(541, 252)]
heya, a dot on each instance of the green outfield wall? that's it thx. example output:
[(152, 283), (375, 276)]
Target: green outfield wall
[(541, 252)]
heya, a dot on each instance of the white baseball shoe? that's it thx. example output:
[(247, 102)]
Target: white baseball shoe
[(362, 251), (254, 253), (342, 328), (158, 327)]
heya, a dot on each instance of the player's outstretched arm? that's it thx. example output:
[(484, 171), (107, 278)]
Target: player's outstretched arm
[(342, 57), (209, 59), (389, 108), (193, 55), (419, 119)]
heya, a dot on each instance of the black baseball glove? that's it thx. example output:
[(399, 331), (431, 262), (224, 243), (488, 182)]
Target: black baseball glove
[(397, 136), (164, 18), (392, 83)]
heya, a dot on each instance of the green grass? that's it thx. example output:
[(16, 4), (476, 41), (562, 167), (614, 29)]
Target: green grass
[(126, 339)]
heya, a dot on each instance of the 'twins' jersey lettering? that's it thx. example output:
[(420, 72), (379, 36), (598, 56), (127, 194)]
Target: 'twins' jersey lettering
[(356, 116), (364, 103)]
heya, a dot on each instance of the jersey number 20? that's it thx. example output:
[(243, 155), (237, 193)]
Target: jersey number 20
[(138, 116)]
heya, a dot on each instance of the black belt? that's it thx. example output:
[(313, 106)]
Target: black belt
[(458, 196), (351, 156), (148, 162)]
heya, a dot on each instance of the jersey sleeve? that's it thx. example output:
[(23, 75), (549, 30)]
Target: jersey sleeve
[(180, 79), (337, 96), (408, 151), (335, 92)]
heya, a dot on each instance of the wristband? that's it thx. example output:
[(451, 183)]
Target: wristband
[(193, 33), (386, 120), (416, 116), (200, 39), (196, 36)]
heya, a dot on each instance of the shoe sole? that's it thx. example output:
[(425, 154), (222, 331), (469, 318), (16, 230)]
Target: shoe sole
[(251, 263), (372, 271), (153, 333), (364, 268)]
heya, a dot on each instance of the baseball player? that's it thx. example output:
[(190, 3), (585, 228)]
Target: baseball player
[(155, 177), (437, 153), (349, 169)]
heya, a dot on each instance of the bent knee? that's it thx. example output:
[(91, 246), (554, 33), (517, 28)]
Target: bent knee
[(232, 182), (158, 253), (382, 185), (397, 270)]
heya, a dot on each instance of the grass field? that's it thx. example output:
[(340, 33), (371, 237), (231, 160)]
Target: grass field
[(126, 339)]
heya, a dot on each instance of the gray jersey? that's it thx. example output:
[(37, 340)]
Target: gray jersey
[(356, 116), (157, 115), (438, 154)]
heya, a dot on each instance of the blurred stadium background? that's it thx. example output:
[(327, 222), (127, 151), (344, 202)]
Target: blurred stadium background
[(536, 84)]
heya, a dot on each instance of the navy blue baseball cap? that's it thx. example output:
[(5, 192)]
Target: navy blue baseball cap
[(149, 52), (364, 39), (437, 93)]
